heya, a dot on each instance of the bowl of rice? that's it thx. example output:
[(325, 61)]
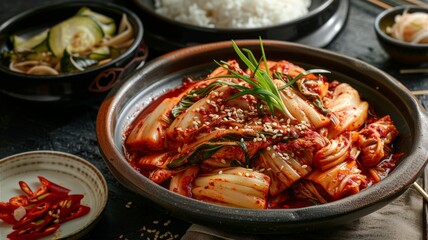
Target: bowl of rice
[(173, 24)]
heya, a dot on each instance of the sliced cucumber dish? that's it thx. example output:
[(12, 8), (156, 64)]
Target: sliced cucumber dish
[(75, 44)]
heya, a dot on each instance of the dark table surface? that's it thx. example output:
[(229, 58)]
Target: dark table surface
[(72, 130)]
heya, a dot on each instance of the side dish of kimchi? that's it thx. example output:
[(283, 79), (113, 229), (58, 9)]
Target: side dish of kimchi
[(262, 134)]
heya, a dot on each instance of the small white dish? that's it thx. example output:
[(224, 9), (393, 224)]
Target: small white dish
[(67, 170)]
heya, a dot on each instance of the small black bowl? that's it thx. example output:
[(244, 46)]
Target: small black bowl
[(71, 88), (164, 34), (400, 51)]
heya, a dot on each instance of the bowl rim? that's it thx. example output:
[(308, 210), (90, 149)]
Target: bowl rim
[(310, 14), (395, 11), (113, 155), (133, 18)]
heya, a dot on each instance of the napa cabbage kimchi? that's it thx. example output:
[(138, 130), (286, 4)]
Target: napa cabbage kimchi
[(263, 134)]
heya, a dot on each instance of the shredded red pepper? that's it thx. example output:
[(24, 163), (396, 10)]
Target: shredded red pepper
[(45, 209)]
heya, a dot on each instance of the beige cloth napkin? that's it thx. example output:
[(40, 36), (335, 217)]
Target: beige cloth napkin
[(400, 220)]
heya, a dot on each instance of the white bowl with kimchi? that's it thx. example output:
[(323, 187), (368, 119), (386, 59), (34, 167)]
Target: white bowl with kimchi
[(268, 137)]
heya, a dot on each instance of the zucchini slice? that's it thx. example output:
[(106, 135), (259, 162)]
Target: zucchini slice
[(100, 53), (71, 64), (107, 24), (85, 11), (75, 34), (21, 43)]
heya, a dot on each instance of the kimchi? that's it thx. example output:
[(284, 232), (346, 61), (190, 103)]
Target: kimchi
[(262, 134)]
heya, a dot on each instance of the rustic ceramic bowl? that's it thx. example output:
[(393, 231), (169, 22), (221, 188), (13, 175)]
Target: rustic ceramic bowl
[(67, 170), (164, 34), (383, 92), (403, 52), (73, 87)]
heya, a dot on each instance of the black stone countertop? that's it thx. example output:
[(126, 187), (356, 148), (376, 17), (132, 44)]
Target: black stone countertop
[(72, 130)]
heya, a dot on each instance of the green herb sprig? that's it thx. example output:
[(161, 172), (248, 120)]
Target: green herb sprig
[(262, 84), (291, 81), (261, 81)]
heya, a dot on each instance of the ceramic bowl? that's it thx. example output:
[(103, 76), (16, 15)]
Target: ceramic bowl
[(383, 92), (163, 34), (400, 51), (67, 170), (73, 87)]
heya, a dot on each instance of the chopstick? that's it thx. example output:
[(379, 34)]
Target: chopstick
[(421, 191), (420, 92), (380, 4), (417, 3), (392, 3), (414, 70)]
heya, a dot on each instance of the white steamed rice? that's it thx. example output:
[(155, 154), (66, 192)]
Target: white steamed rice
[(232, 13)]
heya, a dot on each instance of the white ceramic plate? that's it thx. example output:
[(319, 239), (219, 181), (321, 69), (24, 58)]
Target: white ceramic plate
[(67, 170)]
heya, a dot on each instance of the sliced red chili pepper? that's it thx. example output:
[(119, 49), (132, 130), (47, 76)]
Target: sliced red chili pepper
[(80, 211), (42, 189), (37, 225), (33, 214), (39, 209), (8, 218), (6, 213), (53, 186), (29, 232), (25, 188), (68, 205), (5, 207), (29, 205), (40, 224), (46, 208), (18, 201), (48, 197)]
